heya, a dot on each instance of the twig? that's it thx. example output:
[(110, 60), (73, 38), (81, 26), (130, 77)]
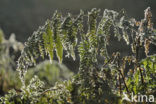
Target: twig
[(123, 80), (142, 79), (50, 89), (120, 83), (109, 61), (137, 58), (118, 68)]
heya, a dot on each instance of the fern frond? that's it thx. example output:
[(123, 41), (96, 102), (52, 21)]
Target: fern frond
[(69, 30), (103, 32), (92, 26), (57, 35)]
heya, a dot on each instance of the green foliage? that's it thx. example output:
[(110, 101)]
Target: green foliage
[(1, 36), (6, 56), (8, 53), (8, 75), (49, 73), (8, 80), (96, 82), (149, 66)]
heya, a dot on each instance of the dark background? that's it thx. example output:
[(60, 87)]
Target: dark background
[(22, 17)]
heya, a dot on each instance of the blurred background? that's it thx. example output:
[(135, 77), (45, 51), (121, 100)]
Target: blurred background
[(22, 17)]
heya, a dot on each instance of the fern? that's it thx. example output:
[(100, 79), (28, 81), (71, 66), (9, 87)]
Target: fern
[(93, 83), (1, 36)]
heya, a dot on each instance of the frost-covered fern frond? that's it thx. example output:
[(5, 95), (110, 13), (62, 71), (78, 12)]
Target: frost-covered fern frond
[(61, 33), (96, 82)]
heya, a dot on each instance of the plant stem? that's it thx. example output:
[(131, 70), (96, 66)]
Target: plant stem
[(137, 58), (120, 84), (123, 80)]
